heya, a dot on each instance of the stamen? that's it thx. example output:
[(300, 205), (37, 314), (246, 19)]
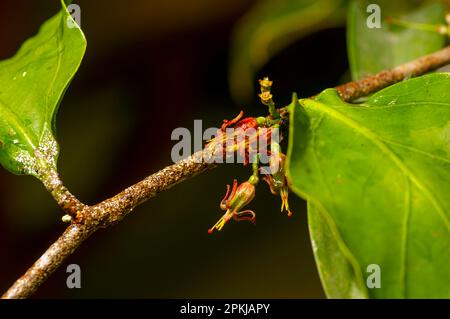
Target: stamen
[(220, 223), (284, 200)]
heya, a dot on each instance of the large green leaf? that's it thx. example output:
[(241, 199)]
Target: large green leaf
[(377, 178), (373, 50), (32, 84), (271, 26)]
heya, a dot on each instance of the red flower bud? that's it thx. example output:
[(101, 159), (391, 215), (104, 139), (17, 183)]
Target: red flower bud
[(233, 202), (248, 122), (243, 139)]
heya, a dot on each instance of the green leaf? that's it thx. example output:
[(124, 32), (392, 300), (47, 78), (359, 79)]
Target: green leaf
[(338, 269), (32, 84), (271, 26), (377, 178), (373, 50)]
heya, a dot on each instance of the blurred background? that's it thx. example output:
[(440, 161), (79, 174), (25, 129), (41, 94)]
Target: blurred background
[(152, 66)]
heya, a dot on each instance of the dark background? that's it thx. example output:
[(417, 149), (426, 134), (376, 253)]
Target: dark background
[(152, 66)]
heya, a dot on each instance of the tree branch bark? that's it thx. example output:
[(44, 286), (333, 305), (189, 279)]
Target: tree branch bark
[(356, 89), (88, 219), (102, 215)]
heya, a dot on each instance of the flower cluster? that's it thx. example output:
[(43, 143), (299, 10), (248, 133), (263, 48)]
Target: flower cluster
[(246, 137), (243, 139)]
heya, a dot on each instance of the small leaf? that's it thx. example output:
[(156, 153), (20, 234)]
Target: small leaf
[(270, 27), (372, 50), (32, 84), (377, 177)]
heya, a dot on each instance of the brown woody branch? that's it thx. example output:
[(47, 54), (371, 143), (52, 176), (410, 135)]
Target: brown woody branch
[(87, 219), (356, 89)]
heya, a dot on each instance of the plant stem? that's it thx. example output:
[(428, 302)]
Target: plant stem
[(102, 215), (65, 199), (90, 218), (356, 89), (55, 255)]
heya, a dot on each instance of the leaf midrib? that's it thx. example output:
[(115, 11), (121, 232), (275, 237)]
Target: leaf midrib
[(58, 66)]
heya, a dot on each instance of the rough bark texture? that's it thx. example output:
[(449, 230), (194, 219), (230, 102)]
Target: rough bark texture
[(104, 214), (356, 89)]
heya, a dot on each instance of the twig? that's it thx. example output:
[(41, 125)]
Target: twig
[(65, 199), (37, 274), (356, 89), (90, 218)]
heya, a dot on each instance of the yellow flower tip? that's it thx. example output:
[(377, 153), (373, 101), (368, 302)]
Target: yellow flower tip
[(265, 97), (220, 223), (447, 18), (284, 201), (282, 204), (265, 82)]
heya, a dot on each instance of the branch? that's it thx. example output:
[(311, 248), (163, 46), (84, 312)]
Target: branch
[(88, 219), (104, 214), (356, 89)]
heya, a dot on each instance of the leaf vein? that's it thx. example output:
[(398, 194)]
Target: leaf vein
[(371, 136)]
